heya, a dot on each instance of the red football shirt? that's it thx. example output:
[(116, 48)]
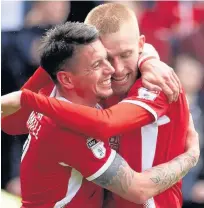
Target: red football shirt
[(166, 137), (156, 143), (57, 166), (38, 80)]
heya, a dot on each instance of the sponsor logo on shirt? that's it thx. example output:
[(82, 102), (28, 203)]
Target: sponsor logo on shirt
[(146, 94), (33, 123), (97, 147)]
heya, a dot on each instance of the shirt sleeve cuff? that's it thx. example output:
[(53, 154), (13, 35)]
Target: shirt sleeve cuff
[(104, 167)]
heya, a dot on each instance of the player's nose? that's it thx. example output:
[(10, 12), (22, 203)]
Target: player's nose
[(109, 68), (118, 66)]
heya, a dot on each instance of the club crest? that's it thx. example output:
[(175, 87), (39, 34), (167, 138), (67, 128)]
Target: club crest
[(146, 94), (97, 147)]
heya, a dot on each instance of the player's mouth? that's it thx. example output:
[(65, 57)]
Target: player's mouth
[(107, 83), (120, 80)]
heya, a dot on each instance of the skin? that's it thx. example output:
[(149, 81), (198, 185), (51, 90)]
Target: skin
[(87, 79), (120, 178), (124, 181), (123, 51), (138, 187)]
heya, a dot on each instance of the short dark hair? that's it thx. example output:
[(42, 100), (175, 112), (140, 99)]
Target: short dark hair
[(60, 43)]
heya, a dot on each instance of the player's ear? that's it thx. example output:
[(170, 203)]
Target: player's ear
[(141, 43), (64, 78)]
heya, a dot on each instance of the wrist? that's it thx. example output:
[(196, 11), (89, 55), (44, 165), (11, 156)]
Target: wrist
[(149, 52), (143, 59)]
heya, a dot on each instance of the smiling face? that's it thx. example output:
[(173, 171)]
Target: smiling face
[(92, 72), (119, 33), (123, 49)]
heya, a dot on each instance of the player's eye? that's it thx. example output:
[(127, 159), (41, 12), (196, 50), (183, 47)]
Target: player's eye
[(96, 64), (126, 54)]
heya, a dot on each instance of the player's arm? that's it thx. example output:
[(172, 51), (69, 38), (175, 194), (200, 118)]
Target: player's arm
[(93, 122), (136, 111), (104, 167), (38, 80), (156, 75), (138, 187), (18, 120)]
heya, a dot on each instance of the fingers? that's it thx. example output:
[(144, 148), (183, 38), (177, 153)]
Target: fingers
[(175, 87), (167, 91), (174, 90), (150, 86), (169, 84), (177, 80), (162, 76), (172, 83)]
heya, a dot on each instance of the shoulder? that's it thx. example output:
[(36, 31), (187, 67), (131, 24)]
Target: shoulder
[(138, 91), (47, 90), (135, 87)]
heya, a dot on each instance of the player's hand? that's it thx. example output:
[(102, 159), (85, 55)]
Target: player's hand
[(10, 103), (192, 141), (156, 75)]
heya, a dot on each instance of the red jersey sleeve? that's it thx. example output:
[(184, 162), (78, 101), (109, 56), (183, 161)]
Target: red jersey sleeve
[(18, 120), (91, 157), (93, 122), (153, 101)]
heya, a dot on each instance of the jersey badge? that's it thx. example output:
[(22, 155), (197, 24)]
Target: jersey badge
[(146, 94), (97, 147)]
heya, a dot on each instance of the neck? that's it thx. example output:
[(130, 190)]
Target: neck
[(74, 98)]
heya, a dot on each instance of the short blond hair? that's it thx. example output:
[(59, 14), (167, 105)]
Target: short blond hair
[(109, 17)]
